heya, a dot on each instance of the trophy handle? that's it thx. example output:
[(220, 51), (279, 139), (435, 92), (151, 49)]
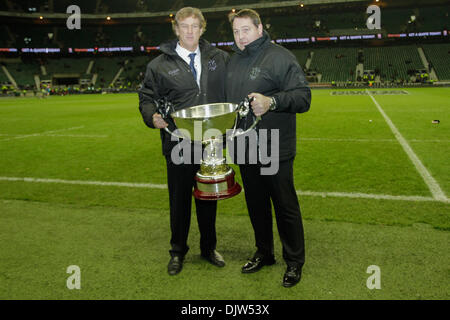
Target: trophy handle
[(243, 110), (174, 134), (164, 107)]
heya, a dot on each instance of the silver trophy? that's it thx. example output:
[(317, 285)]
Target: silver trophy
[(208, 124)]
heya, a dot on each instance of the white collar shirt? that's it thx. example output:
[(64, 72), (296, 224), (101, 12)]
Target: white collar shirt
[(184, 54)]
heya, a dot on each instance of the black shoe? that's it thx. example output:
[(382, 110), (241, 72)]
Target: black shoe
[(292, 276), (214, 258), (256, 263), (175, 265)]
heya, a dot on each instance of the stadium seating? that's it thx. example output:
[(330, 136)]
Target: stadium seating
[(392, 63), (107, 68), (23, 72), (134, 70), (301, 55), (67, 65), (439, 56), (3, 78), (335, 64)]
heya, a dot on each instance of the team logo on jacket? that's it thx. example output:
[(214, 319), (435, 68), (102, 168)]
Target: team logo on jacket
[(254, 73), (212, 65), (174, 72)]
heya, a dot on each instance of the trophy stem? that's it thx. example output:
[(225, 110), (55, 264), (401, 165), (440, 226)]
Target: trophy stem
[(213, 163)]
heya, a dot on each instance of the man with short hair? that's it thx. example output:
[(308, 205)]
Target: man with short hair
[(271, 75), (189, 72)]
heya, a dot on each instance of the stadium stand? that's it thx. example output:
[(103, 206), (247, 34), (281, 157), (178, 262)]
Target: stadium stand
[(61, 5), (134, 70), (439, 57), (27, 35), (107, 68), (302, 56), (393, 63), (86, 37), (161, 5), (117, 35), (122, 6), (335, 64), (155, 34), (433, 18), (67, 66), (3, 78), (323, 56), (396, 20), (23, 72)]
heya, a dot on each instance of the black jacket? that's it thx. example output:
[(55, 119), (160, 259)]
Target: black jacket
[(269, 69), (168, 75)]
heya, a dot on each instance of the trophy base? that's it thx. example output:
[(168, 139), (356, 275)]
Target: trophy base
[(216, 187)]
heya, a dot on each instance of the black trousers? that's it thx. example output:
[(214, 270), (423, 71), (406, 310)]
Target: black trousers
[(259, 191), (181, 182)]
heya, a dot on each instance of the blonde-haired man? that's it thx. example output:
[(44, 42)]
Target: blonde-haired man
[(189, 72)]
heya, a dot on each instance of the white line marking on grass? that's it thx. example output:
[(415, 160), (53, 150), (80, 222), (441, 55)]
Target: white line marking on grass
[(164, 186), (40, 134), (60, 135), (367, 140), (367, 196), (77, 135), (347, 140), (432, 184), (87, 182), (434, 140)]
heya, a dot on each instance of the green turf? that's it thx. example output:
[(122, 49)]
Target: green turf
[(122, 254), (119, 235), (413, 116)]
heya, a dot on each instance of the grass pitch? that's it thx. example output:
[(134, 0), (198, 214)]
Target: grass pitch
[(96, 199)]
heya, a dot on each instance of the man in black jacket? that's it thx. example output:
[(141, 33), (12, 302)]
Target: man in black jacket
[(270, 75), (189, 72)]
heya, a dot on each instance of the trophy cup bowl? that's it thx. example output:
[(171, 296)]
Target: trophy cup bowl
[(208, 123)]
